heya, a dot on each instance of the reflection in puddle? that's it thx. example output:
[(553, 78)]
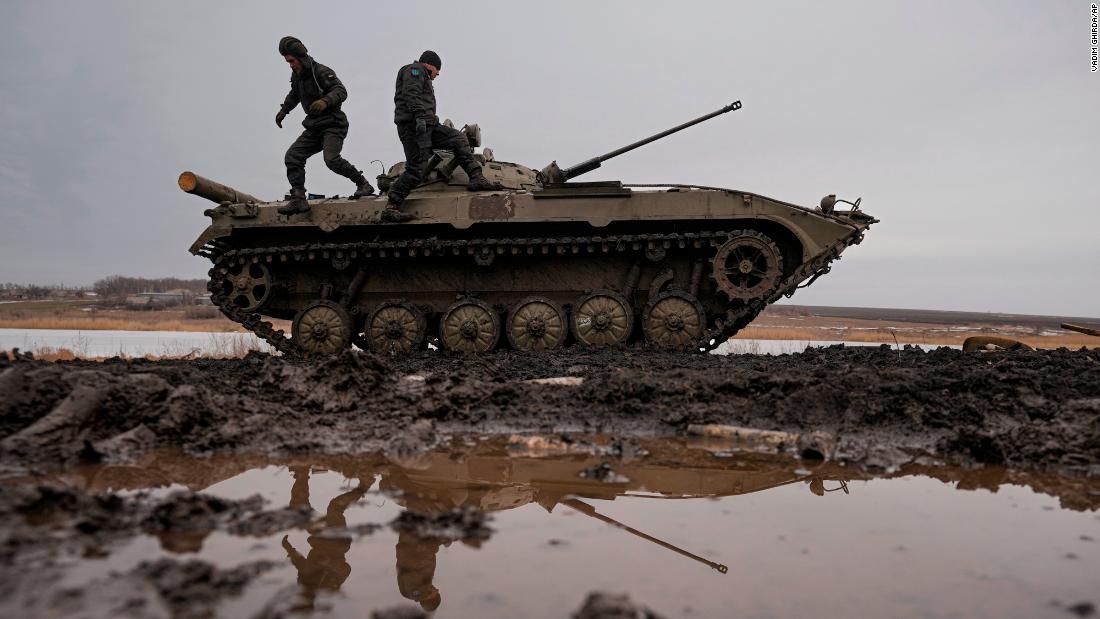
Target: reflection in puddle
[(692, 531)]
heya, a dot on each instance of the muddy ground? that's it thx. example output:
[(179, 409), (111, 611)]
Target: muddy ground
[(884, 408), (1030, 410)]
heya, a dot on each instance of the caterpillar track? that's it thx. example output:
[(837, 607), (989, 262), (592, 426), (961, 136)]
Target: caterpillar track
[(541, 263), (338, 296)]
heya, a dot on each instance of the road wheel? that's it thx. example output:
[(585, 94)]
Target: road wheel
[(602, 318), (536, 323), (395, 326), (469, 326), (322, 328), (673, 320)]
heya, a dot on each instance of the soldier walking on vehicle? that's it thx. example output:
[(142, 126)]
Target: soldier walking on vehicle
[(419, 131), (320, 93)]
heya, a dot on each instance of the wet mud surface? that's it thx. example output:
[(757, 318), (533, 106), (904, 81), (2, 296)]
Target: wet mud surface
[(1033, 410), (159, 489)]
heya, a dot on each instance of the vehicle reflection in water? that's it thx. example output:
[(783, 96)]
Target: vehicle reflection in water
[(503, 474)]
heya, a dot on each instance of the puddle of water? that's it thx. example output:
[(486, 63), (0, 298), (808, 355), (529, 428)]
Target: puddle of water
[(685, 528)]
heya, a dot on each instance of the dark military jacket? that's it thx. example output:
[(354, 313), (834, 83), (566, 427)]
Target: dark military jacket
[(316, 81), (414, 96)]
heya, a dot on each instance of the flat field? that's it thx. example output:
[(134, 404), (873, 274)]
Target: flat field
[(910, 326), (778, 322), (95, 315)]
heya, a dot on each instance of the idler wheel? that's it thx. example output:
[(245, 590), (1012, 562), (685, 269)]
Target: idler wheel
[(748, 266), (322, 328), (602, 318), (395, 326), (673, 320), (248, 286), (469, 326), (536, 323)]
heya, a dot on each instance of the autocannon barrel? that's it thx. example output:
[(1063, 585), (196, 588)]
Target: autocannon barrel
[(212, 190), (595, 162)]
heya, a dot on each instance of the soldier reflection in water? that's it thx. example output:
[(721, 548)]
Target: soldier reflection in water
[(416, 569), (416, 556), (325, 567)]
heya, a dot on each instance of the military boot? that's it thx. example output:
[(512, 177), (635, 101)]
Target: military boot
[(478, 182), (393, 214), (297, 202), (363, 189)]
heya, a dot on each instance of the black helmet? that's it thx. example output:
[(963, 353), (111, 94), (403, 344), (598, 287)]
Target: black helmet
[(294, 47)]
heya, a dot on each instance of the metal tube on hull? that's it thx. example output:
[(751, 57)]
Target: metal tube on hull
[(212, 190), (595, 162)]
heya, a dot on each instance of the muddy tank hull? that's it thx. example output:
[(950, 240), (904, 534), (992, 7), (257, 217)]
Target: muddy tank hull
[(535, 266)]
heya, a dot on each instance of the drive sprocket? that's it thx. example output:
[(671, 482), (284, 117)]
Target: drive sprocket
[(748, 266)]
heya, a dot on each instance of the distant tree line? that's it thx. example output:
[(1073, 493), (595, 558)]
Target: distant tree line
[(113, 287), (34, 291), (118, 286)]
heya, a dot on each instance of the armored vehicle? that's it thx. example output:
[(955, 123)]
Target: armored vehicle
[(542, 263)]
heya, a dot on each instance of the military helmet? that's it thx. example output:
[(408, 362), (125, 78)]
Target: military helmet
[(293, 46)]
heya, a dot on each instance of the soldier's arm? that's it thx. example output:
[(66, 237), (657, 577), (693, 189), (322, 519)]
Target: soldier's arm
[(292, 553), (414, 89), (333, 88), (290, 102)]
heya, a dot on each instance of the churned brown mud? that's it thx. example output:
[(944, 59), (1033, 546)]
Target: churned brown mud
[(884, 407)]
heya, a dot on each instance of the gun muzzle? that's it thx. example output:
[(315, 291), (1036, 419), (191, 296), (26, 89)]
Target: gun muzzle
[(212, 190)]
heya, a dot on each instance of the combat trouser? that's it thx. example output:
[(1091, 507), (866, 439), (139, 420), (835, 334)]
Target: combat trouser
[(419, 151), (312, 141)]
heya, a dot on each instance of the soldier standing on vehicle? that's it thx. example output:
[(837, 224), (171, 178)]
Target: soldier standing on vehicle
[(320, 93), (419, 130)]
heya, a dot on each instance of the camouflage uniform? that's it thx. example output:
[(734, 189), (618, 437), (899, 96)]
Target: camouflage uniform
[(324, 131)]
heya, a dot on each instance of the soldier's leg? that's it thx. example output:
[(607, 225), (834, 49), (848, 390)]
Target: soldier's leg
[(455, 141), (307, 145), (415, 159), (332, 144), (449, 138)]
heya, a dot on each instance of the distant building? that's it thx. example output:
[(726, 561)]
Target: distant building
[(159, 299), (167, 299)]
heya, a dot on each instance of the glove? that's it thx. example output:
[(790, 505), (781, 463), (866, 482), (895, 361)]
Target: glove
[(318, 106), (423, 134), (279, 119)]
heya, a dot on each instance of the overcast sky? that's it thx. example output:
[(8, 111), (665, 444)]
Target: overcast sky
[(969, 128)]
